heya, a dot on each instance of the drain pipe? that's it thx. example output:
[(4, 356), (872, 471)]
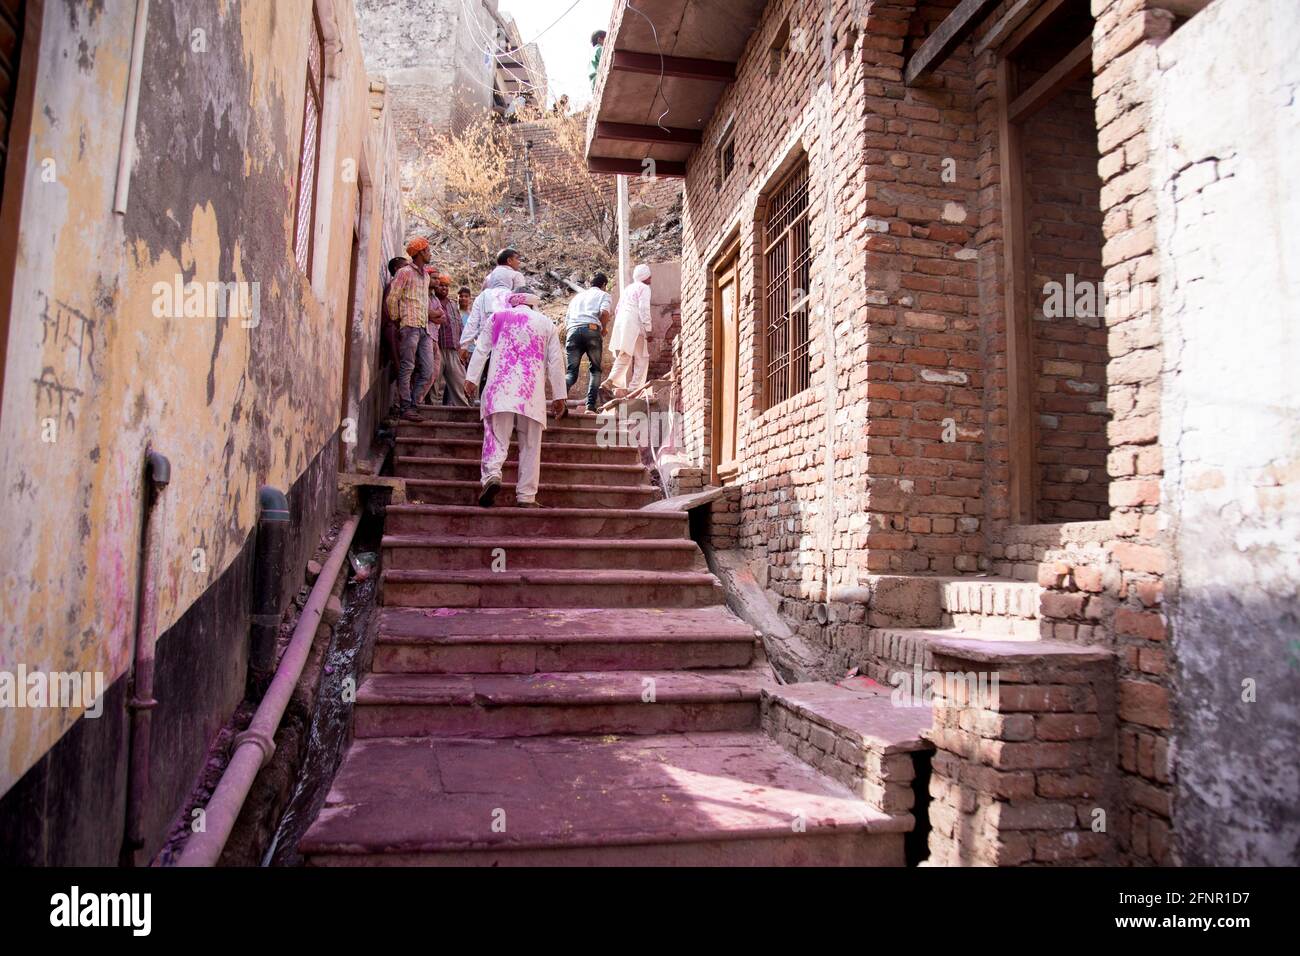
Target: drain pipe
[(254, 747), (141, 703), (268, 585)]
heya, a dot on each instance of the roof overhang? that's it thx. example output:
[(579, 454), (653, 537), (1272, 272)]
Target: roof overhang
[(665, 67)]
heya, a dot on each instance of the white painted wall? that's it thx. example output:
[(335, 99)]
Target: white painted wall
[(1226, 150)]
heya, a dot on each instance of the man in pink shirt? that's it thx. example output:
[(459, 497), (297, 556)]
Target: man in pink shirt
[(526, 358)]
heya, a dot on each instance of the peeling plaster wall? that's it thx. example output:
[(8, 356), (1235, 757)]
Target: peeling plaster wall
[(1228, 215), (233, 407)]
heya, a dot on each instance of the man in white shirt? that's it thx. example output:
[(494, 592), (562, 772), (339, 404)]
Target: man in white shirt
[(630, 342), (586, 325), (526, 358)]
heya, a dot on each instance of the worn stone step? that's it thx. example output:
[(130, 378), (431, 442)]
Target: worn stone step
[(579, 418), (531, 640), (552, 495), (699, 799), (456, 469), (869, 740), (471, 449), (531, 705), (550, 588), (499, 553), (553, 435), (471, 520)]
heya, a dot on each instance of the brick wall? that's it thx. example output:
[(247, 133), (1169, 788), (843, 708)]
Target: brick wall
[(1069, 339)]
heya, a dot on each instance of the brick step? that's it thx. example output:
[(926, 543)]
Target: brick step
[(894, 649), (863, 738), (700, 799), (550, 588), (448, 553), (930, 601), (533, 705), (456, 469), (467, 449), (552, 495), (554, 435), (530, 640), (609, 523), (447, 413)]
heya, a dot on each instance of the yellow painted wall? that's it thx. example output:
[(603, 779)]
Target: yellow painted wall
[(233, 408)]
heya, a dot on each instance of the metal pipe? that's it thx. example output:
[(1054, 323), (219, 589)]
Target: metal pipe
[(255, 746), (268, 585), (141, 702), (126, 149)]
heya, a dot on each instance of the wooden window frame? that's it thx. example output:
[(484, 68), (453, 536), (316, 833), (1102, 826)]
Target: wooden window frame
[(314, 93), (783, 258)]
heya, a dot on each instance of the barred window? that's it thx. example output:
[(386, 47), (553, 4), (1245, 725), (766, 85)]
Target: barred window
[(309, 155), (787, 258)]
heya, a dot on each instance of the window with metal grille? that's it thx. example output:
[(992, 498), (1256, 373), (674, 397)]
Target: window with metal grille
[(727, 158), (309, 155), (787, 258)]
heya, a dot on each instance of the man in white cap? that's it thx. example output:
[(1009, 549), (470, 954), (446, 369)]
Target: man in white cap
[(526, 357), (630, 342)]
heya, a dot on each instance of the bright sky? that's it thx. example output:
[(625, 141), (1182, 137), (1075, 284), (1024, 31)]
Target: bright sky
[(566, 46)]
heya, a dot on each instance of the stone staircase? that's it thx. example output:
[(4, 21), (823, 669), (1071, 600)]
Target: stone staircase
[(566, 686)]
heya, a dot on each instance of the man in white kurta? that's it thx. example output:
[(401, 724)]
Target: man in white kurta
[(630, 342), (526, 357)]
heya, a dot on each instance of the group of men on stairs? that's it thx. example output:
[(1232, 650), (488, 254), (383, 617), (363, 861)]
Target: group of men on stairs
[(513, 351)]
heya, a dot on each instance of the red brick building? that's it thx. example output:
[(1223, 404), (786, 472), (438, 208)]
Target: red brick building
[(951, 311)]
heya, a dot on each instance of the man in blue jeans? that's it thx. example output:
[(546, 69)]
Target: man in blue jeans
[(586, 325)]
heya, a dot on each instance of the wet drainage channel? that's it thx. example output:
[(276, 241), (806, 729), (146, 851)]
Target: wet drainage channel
[(331, 718)]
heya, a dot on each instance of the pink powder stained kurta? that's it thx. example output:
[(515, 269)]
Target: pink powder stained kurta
[(524, 346)]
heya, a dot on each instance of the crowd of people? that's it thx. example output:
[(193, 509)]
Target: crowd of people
[(496, 351)]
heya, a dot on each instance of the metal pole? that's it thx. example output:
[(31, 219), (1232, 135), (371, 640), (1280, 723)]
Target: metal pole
[(624, 239)]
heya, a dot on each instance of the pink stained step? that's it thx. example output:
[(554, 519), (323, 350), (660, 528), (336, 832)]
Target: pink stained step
[(531, 640), (554, 435), (455, 469), (471, 449), (552, 495), (550, 588), (500, 553), (531, 705), (511, 705), (447, 413), (470, 520), (695, 799)]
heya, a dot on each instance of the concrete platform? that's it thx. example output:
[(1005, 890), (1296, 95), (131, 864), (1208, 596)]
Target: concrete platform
[(458, 469), (687, 799)]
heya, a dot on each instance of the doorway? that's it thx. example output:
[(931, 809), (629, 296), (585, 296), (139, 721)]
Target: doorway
[(1055, 302)]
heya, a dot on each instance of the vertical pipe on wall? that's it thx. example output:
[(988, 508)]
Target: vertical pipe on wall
[(126, 149), (141, 702), (624, 239), (268, 585)]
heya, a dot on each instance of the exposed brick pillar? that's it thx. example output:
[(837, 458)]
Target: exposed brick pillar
[(1023, 775), (1125, 38)]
